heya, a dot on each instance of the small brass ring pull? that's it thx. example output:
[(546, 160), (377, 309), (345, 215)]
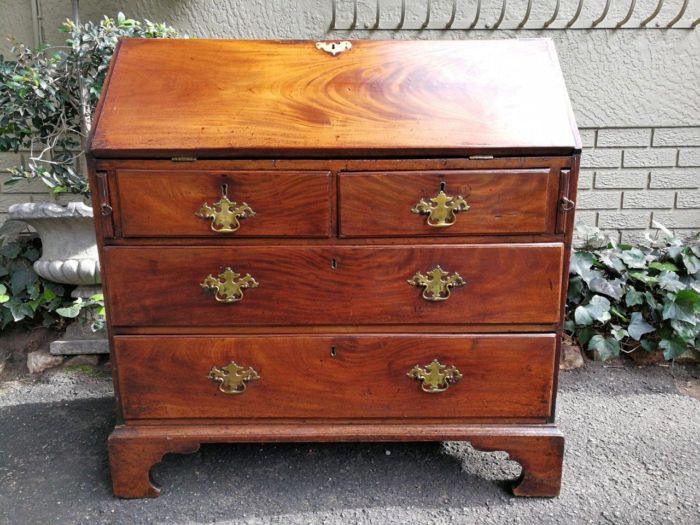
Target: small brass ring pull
[(232, 378), (437, 284), (225, 213), (435, 377), (441, 210), (228, 285)]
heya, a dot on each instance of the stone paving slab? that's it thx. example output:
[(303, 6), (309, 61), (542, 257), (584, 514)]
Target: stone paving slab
[(632, 457)]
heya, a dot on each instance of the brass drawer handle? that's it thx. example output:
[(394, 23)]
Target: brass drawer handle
[(441, 209), (438, 284), (232, 378), (435, 377), (228, 285), (225, 213)]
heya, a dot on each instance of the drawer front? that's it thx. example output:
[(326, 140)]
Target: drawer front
[(160, 203), (333, 285), (472, 202), (336, 377)]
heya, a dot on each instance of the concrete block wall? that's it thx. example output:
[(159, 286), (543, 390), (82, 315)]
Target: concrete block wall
[(631, 177), (635, 91)]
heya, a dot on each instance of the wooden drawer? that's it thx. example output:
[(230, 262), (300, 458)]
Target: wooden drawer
[(332, 285), (367, 377), (164, 203), (499, 202)]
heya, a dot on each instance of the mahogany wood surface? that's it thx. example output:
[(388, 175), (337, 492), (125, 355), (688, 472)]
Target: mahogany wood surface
[(163, 203), (134, 449), (355, 376), (218, 98), (368, 285), (500, 201)]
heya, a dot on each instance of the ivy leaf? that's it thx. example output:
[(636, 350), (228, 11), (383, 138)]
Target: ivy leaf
[(618, 332), (673, 347), (644, 277), (669, 281), (661, 266), (575, 290), (21, 278), (683, 306), (612, 288), (633, 297), (638, 326), (648, 346), (691, 262), (634, 258), (607, 347), (581, 262), (71, 311), (685, 331), (3, 294), (598, 309)]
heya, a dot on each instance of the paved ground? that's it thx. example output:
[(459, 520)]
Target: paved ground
[(632, 457)]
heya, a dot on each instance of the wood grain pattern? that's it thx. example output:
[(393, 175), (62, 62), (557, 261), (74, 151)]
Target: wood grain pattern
[(500, 201), (217, 98), (162, 203), (134, 449), (299, 286), (504, 376)]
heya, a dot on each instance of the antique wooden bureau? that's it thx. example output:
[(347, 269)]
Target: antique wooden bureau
[(334, 241)]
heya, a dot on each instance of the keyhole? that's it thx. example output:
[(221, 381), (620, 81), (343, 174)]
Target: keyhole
[(224, 189), (333, 351), (442, 185), (334, 264)]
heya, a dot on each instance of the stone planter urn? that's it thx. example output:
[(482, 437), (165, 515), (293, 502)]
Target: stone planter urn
[(69, 256)]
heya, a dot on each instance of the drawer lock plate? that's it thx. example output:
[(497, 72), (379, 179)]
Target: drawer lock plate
[(435, 377), (437, 284), (232, 378)]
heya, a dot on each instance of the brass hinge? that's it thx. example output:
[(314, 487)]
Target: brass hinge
[(183, 159)]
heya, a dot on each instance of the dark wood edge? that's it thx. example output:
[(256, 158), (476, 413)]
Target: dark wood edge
[(568, 238), (134, 449), (103, 96), (339, 330), (341, 165), (327, 153), (572, 118)]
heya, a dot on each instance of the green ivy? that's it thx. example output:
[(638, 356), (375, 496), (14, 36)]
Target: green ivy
[(47, 96), (625, 298), (24, 296)]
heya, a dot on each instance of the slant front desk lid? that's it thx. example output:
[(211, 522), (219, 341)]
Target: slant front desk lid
[(262, 99)]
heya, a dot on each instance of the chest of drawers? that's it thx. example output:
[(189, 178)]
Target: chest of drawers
[(334, 242)]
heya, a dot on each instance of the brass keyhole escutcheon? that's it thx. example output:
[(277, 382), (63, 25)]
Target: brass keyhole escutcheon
[(441, 210), (232, 378), (228, 286), (435, 377), (437, 284), (225, 214)]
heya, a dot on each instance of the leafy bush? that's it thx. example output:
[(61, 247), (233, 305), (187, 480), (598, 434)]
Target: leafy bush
[(24, 296), (625, 298), (48, 95)]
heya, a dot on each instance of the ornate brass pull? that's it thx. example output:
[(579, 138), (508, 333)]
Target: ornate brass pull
[(224, 213), (232, 378), (437, 285), (435, 377), (229, 285), (441, 209)]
